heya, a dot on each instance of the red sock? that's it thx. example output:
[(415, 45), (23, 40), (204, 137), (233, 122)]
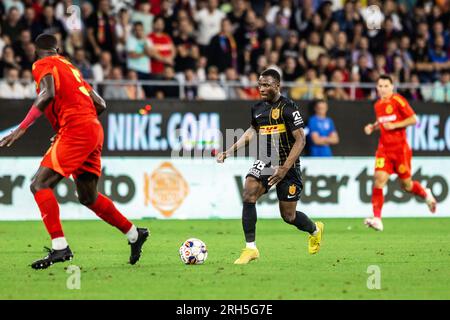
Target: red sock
[(105, 209), (49, 208), (417, 189), (377, 202)]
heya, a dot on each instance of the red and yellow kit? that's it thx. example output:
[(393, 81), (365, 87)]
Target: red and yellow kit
[(393, 154), (73, 116)]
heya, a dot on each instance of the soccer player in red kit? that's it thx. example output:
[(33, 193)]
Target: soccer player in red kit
[(72, 108), (393, 115)]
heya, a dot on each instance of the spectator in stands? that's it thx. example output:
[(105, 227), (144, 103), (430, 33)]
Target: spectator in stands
[(186, 46), (438, 54), (115, 91), (102, 69), (168, 91), (8, 61), (100, 31), (441, 89), (123, 32), (10, 87), (143, 15), (222, 51), (14, 3), (49, 24), (237, 14), (414, 94), (322, 132), (251, 91), (309, 86), (337, 92), (26, 62), (82, 63), (291, 71), (212, 90), (19, 46), (290, 48), (163, 47), (233, 92), (30, 23), (208, 20), (190, 89), (314, 49), (134, 91), (28, 84), (363, 49), (11, 25)]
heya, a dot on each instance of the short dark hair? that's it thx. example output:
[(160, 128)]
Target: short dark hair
[(46, 41), (385, 77), (271, 73)]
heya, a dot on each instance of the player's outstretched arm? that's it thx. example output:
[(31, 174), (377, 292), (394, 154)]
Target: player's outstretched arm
[(297, 148), (99, 102), (371, 127), (46, 95), (243, 140)]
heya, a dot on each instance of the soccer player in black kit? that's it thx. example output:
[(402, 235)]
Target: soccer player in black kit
[(277, 119)]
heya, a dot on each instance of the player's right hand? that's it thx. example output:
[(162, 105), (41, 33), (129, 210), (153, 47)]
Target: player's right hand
[(221, 157), (12, 137), (368, 129)]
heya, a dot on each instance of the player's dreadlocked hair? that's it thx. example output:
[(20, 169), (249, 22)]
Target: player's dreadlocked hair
[(46, 41), (272, 73)]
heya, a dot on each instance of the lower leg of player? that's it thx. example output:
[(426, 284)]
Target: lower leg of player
[(49, 208), (304, 223), (249, 219), (107, 211), (416, 188), (377, 206)]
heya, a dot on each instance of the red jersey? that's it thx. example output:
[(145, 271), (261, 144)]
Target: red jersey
[(72, 103), (394, 109), (163, 44)]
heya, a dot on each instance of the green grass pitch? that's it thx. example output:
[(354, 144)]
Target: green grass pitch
[(413, 256)]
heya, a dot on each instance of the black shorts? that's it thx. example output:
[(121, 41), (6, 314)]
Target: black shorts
[(288, 189)]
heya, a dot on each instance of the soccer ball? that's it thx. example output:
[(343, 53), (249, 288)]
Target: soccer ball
[(193, 251)]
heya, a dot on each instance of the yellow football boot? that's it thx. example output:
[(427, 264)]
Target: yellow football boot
[(247, 255), (314, 241)]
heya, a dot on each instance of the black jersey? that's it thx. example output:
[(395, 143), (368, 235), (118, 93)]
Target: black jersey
[(274, 123)]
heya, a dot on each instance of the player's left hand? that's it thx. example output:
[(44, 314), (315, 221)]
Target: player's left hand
[(12, 137), (278, 175), (389, 126)]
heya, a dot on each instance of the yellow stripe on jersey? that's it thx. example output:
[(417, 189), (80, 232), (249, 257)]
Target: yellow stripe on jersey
[(272, 129), (399, 100)]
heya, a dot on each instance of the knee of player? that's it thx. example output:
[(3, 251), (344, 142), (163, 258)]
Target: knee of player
[(36, 186), (86, 200), (288, 215), (406, 185), (249, 197)]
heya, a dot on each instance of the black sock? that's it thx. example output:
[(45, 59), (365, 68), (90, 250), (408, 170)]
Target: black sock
[(249, 221), (303, 223)]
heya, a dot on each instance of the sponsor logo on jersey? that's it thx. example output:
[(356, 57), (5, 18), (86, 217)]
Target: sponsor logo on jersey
[(292, 189), (272, 129), (401, 169), (389, 108), (298, 120), (165, 189), (275, 114), (389, 118)]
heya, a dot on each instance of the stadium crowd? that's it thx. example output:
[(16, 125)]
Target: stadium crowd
[(203, 43)]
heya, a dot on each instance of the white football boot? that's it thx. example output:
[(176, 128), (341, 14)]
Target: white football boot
[(374, 223), (430, 200)]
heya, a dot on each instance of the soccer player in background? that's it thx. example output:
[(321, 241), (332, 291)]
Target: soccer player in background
[(277, 119), (72, 107), (393, 115)]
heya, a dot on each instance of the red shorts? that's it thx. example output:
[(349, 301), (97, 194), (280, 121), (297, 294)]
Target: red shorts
[(76, 150), (394, 161)]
